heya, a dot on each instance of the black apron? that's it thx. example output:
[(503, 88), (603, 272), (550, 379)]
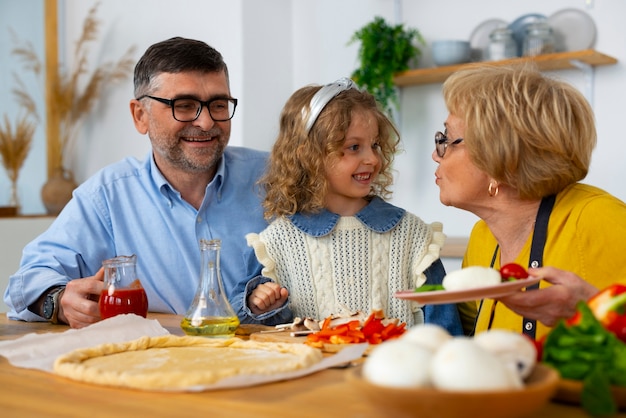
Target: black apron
[(529, 326)]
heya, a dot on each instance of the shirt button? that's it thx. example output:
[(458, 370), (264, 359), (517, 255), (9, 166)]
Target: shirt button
[(199, 219), (528, 326)]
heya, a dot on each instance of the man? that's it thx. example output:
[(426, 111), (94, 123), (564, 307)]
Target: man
[(190, 186)]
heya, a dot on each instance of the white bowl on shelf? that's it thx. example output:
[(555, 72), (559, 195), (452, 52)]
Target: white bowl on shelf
[(450, 52)]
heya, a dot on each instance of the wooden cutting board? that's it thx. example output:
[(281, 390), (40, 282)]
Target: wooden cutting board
[(277, 337), (285, 337)]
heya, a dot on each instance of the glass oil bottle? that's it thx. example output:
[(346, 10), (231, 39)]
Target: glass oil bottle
[(210, 314)]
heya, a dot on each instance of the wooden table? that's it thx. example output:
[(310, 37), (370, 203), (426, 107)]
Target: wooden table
[(33, 393)]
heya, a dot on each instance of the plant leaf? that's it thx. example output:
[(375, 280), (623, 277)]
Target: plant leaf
[(384, 51), (596, 397)]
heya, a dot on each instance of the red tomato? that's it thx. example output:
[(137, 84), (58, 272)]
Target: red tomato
[(512, 271)]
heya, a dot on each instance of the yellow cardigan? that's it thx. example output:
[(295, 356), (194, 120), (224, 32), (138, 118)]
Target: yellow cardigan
[(586, 235)]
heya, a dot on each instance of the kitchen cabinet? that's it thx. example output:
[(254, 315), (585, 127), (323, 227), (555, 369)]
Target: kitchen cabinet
[(585, 61)]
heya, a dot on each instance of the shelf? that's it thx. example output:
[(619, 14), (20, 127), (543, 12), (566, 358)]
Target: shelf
[(547, 62)]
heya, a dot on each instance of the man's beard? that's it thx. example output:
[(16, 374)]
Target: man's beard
[(192, 160)]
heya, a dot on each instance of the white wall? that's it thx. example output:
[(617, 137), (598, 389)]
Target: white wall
[(16, 19), (16, 233), (273, 47), (423, 109)]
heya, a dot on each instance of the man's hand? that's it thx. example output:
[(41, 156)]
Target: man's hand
[(78, 303), (266, 297)]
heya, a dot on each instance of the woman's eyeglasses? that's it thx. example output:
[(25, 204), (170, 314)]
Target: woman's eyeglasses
[(442, 142)]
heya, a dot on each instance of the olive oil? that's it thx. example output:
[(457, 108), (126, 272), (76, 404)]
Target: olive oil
[(222, 327), (210, 313)]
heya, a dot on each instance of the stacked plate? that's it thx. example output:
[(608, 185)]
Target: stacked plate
[(574, 30)]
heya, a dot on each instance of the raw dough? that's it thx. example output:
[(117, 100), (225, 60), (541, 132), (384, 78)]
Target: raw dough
[(172, 363)]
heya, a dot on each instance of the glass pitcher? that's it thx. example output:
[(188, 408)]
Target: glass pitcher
[(210, 314), (122, 292)]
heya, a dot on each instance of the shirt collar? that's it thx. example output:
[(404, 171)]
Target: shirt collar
[(378, 215), (161, 181)]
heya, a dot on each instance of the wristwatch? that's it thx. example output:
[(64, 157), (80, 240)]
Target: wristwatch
[(51, 304)]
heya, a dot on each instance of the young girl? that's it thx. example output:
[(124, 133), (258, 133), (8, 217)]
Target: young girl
[(334, 244)]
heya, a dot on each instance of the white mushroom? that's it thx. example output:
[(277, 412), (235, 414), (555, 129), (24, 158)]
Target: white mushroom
[(398, 363), (470, 278), (515, 349), (430, 336), (463, 365), (311, 324)]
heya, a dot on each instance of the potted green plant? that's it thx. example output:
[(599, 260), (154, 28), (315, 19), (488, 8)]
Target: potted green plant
[(385, 50)]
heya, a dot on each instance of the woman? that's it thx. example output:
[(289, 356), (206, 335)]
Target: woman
[(514, 141)]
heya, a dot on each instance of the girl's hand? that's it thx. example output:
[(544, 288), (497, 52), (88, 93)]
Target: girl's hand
[(266, 297)]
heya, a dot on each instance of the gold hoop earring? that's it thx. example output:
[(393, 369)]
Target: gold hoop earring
[(491, 190)]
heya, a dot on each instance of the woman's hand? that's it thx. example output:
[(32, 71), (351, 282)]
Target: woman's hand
[(554, 302), (78, 304), (266, 297)]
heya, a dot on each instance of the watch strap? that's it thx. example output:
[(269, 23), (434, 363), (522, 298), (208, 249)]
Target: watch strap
[(55, 295)]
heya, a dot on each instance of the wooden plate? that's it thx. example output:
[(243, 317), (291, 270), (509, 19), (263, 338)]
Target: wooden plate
[(285, 337), (569, 391)]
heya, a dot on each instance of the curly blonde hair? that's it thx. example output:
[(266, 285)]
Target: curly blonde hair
[(295, 180), (523, 128)]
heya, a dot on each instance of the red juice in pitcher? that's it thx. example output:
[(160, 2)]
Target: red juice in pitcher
[(123, 301), (122, 292)]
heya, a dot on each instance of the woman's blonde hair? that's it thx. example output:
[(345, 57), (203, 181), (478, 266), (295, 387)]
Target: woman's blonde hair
[(295, 180), (523, 128)]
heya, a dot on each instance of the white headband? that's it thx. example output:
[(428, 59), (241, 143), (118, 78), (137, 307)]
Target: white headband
[(322, 97)]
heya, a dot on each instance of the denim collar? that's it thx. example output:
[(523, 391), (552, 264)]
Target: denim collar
[(378, 215)]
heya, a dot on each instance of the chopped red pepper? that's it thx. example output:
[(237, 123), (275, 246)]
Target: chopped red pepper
[(609, 306), (372, 325), (326, 323), (372, 331)]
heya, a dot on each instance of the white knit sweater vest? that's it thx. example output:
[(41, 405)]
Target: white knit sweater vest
[(352, 268)]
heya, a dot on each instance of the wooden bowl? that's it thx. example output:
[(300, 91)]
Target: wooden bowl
[(569, 391), (430, 402)]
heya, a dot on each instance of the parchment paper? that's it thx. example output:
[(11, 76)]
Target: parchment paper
[(38, 351)]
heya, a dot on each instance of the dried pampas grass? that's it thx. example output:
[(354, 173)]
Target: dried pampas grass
[(14, 146), (72, 97)]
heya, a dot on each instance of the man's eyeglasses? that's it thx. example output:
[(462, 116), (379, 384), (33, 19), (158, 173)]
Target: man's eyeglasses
[(188, 110), (442, 142)]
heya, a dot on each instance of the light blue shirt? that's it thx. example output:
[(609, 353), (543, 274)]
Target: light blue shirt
[(130, 208)]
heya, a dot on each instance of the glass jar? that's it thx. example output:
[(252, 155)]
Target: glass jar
[(539, 39), (210, 313), (501, 45), (122, 292)]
